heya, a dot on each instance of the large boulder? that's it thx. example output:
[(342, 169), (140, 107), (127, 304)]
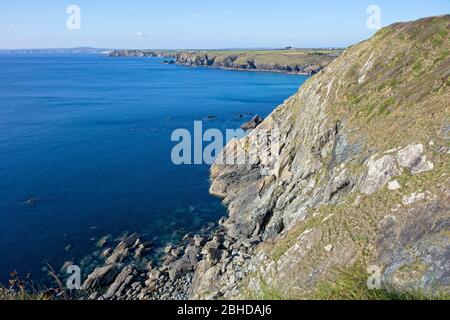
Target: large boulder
[(102, 277), (253, 123)]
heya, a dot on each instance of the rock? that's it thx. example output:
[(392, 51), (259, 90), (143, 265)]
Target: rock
[(394, 185), (102, 277), (121, 251), (410, 156), (103, 241), (422, 166), (253, 123), (180, 267), (94, 296), (118, 255), (380, 173), (107, 252), (30, 202), (125, 276), (128, 242), (168, 248), (198, 241), (147, 244), (140, 250), (413, 198), (329, 248)]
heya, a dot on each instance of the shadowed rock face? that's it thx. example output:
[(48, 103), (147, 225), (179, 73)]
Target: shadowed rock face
[(356, 139)]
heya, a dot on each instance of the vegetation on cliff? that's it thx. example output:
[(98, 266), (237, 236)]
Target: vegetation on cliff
[(363, 175)]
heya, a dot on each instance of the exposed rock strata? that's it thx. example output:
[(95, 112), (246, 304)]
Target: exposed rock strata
[(362, 176)]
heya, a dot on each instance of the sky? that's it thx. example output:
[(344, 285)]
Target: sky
[(200, 24)]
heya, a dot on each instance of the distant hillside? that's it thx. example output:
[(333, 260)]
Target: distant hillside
[(305, 61)]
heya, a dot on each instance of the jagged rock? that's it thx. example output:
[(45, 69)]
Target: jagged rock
[(124, 277), (180, 267), (380, 172), (410, 156), (168, 248), (107, 252), (354, 111), (413, 159), (128, 242), (394, 185), (120, 253), (253, 123), (102, 277), (413, 198), (198, 240)]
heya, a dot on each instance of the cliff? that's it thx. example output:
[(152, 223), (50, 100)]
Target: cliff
[(351, 179), (306, 61), (291, 61), (361, 181)]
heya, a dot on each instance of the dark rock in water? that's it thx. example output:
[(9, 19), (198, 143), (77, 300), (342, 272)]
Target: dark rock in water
[(147, 244), (168, 248), (30, 202), (128, 242), (211, 117), (121, 251), (253, 123)]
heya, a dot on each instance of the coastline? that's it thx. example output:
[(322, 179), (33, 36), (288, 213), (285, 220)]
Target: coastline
[(244, 69), (296, 62)]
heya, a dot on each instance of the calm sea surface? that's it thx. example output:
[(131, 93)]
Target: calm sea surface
[(85, 151)]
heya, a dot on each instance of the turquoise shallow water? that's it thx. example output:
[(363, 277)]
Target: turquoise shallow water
[(88, 137)]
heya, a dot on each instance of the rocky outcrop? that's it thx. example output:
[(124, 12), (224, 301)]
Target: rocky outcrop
[(353, 171), (253, 123), (358, 178), (304, 62)]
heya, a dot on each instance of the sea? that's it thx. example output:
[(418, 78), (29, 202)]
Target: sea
[(85, 152)]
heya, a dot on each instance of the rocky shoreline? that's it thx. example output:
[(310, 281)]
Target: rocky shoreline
[(177, 275)]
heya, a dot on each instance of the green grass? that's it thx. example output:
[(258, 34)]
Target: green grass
[(351, 284)]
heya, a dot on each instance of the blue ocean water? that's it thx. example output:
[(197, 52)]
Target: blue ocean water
[(87, 140)]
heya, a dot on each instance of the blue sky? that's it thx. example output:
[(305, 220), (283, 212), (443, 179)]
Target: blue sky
[(200, 23)]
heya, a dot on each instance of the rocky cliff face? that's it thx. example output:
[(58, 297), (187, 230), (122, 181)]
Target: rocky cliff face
[(361, 181), (300, 62)]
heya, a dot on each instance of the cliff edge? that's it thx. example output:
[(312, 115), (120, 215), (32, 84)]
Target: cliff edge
[(361, 183)]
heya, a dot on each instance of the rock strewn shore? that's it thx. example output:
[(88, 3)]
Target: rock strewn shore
[(178, 274)]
